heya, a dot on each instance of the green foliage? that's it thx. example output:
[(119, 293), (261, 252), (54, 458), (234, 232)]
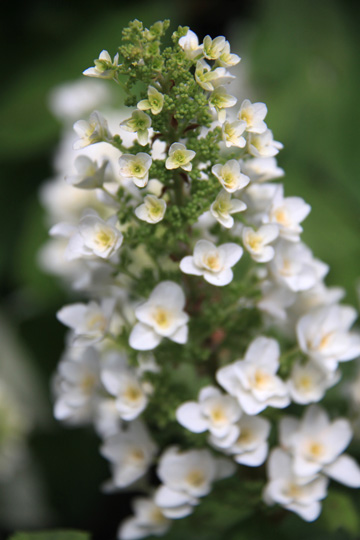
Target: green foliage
[(51, 535)]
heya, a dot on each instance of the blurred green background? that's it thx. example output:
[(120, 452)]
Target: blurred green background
[(301, 58)]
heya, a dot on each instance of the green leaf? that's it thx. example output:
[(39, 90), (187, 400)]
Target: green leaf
[(339, 512), (51, 535)]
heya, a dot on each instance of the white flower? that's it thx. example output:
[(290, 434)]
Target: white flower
[(148, 520), (190, 44), (289, 491), (256, 242), (308, 382), (209, 78), (179, 157), (251, 447), (96, 130), (275, 299), (230, 176), (155, 101), (186, 476), (121, 381), (77, 386), (89, 322), (262, 169), (226, 59), (224, 206), (213, 47), (221, 100), (317, 445), (211, 262), (139, 123), (160, 316), (104, 67), (232, 134), (253, 381), (214, 412), (93, 237), (89, 174), (130, 452), (153, 209), (136, 168), (324, 335), (258, 199), (287, 213), (294, 266), (253, 114), (263, 144)]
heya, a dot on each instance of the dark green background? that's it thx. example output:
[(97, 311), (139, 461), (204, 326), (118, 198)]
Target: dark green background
[(301, 58)]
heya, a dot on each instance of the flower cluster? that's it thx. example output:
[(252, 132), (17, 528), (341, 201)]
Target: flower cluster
[(204, 312)]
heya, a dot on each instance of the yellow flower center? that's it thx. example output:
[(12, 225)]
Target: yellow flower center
[(261, 379), (316, 449), (212, 262), (162, 317), (132, 393), (195, 478)]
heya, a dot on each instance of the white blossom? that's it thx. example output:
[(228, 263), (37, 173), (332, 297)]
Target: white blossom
[(220, 100), (253, 114), (232, 134), (186, 476), (324, 335), (308, 382), (89, 174), (256, 242), (230, 175), (147, 521), (122, 382), (89, 322), (212, 48), (212, 262), (93, 131), (317, 445), (179, 157), (251, 446), (190, 44), (262, 145), (209, 78), (262, 169), (130, 452), (155, 101), (253, 380), (227, 59), (139, 123), (214, 412), (77, 386), (160, 316), (93, 237), (104, 68), (295, 267), (224, 206), (288, 213), (136, 168), (152, 210), (286, 489)]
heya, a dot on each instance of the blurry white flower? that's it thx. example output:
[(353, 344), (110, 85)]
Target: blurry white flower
[(253, 381), (190, 44), (251, 446), (212, 262), (263, 144), (262, 169), (147, 521), (253, 114), (160, 316), (89, 174), (256, 242), (152, 210), (324, 335), (232, 134), (130, 452), (308, 382), (89, 322), (291, 492), (93, 131), (288, 213)]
